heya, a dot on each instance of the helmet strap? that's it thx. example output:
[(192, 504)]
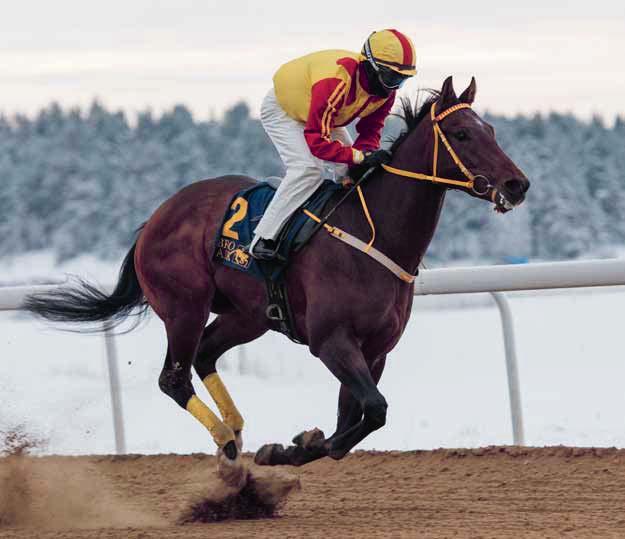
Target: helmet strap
[(369, 54)]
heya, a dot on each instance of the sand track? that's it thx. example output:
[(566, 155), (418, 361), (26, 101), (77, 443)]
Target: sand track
[(493, 492)]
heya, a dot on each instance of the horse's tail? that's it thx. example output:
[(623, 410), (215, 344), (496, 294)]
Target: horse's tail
[(84, 302)]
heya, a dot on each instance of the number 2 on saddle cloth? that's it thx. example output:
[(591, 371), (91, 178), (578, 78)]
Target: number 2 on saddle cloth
[(244, 213)]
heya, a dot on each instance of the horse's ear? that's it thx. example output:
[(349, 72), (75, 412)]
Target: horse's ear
[(448, 94), (468, 96)]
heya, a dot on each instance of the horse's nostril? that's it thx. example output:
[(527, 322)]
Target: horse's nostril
[(516, 186)]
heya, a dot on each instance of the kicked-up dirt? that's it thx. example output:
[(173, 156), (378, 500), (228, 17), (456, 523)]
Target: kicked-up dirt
[(496, 492)]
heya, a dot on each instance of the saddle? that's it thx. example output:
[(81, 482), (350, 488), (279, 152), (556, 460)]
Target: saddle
[(237, 231)]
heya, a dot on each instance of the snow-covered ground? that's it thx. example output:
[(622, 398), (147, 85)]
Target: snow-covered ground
[(445, 382)]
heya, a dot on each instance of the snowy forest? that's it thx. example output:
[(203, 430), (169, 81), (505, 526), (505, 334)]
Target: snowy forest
[(81, 181)]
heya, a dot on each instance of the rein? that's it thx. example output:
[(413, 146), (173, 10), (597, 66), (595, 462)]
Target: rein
[(368, 248)]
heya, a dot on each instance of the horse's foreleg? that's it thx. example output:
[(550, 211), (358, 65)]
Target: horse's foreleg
[(349, 409), (359, 397), (311, 445), (345, 360), (224, 333)]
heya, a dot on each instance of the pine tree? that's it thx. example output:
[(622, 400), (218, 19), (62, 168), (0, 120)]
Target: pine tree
[(82, 181)]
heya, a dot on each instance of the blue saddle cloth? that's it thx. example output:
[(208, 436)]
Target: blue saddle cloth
[(244, 213)]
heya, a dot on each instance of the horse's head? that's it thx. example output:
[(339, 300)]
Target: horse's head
[(494, 176), (462, 148)]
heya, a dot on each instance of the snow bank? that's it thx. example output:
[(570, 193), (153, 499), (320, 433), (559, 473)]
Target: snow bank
[(445, 382)]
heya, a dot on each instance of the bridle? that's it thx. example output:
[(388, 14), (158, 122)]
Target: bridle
[(472, 182)]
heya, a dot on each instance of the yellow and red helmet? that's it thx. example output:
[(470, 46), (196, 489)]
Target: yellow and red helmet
[(392, 55)]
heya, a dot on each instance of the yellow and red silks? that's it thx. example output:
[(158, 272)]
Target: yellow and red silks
[(329, 89)]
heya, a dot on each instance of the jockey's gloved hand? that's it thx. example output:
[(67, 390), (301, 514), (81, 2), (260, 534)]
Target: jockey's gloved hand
[(370, 159), (376, 158)]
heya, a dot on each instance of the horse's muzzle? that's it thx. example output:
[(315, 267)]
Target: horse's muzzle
[(511, 194)]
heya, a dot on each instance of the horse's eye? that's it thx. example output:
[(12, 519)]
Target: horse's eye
[(461, 135)]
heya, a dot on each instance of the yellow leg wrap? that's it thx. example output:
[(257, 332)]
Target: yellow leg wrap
[(222, 398), (221, 433)]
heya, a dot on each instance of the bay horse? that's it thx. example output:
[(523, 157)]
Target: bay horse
[(347, 307)]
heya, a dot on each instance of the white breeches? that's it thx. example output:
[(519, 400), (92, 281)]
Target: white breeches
[(304, 172)]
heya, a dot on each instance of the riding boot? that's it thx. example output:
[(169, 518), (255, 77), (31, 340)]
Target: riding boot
[(264, 249)]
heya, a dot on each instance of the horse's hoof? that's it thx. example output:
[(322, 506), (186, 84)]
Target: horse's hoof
[(310, 439), (267, 454), (337, 454), (232, 472), (230, 450)]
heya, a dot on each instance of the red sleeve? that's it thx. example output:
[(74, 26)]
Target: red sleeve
[(327, 95), (370, 127)]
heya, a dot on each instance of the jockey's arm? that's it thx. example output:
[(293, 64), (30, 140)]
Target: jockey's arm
[(370, 127), (326, 97)]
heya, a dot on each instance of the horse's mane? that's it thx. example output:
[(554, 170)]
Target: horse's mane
[(412, 114)]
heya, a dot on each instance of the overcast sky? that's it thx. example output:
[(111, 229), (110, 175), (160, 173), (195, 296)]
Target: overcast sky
[(527, 55)]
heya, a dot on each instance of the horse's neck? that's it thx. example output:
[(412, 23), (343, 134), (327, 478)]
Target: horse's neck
[(406, 211)]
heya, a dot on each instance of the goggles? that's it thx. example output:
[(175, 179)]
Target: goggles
[(389, 78)]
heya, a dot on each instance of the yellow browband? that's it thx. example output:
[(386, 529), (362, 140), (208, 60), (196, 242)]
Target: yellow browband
[(438, 133)]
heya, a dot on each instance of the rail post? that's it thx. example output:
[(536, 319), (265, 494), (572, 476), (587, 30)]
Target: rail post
[(514, 389), (116, 400)]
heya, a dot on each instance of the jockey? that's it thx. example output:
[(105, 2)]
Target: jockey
[(305, 113)]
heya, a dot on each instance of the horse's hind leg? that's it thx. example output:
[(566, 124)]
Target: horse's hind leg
[(184, 329), (222, 334)]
